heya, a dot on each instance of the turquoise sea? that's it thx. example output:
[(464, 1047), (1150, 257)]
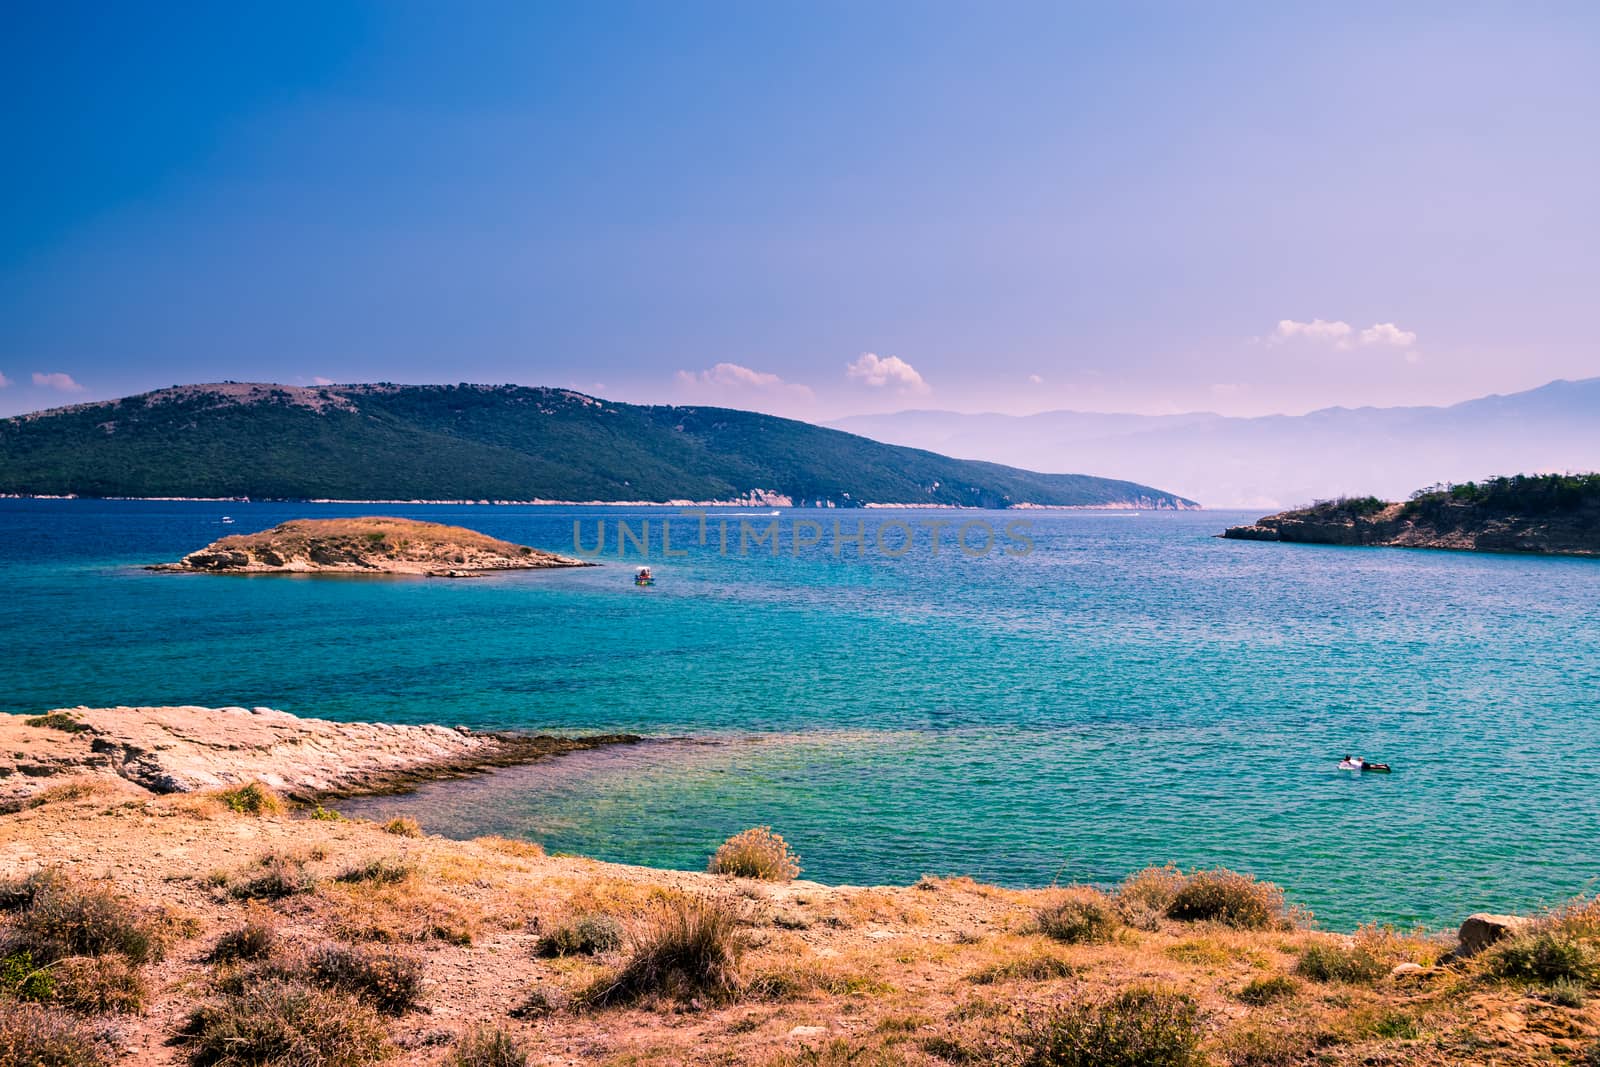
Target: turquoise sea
[(1131, 691)]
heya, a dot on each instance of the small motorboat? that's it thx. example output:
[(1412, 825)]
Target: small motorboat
[(227, 520), (1358, 764), (642, 576)]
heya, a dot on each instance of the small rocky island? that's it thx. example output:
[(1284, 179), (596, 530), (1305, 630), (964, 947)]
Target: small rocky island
[(1553, 514), (375, 545)]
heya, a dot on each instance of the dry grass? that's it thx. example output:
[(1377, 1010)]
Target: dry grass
[(403, 826), (252, 939), (273, 876), (55, 916), (390, 981), (277, 1023), (588, 934), (411, 910), (694, 947), (530, 850), (1230, 898), (1084, 918), (487, 1046), (756, 853), (36, 1036), (1139, 1027)]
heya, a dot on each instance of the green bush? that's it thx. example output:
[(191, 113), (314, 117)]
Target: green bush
[(586, 935), (1078, 920), (1259, 991), (278, 1023), (23, 978), (756, 853), (57, 720), (1566, 993), (1333, 963), (1228, 897), (253, 798), (1140, 1027), (1544, 956), (487, 1046)]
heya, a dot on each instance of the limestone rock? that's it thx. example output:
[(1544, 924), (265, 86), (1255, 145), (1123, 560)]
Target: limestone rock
[(1483, 929)]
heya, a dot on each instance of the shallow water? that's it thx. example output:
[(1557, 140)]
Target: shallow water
[(1132, 691)]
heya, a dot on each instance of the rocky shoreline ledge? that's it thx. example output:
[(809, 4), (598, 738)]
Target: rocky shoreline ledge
[(187, 749)]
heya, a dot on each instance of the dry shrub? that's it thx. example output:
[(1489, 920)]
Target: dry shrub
[(78, 789), (1082, 919), (388, 980), (827, 977), (277, 1023), (588, 934), (379, 871), (528, 850), (64, 917), (1277, 1045), (1579, 919), (96, 985), (35, 1036), (252, 798), (1139, 1027), (273, 877), (756, 853), (407, 911), (1230, 898), (693, 948), (252, 939), (18, 892), (1034, 967), (1259, 991), (487, 1046), (403, 826), (1152, 888)]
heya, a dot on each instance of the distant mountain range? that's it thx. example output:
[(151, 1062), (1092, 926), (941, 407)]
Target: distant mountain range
[(478, 442), (1278, 461)]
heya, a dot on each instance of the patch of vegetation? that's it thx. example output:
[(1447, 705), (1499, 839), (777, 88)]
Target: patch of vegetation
[(69, 917), (1230, 898), (1267, 989), (1544, 955), (277, 1023), (252, 798), (1276, 1045), (1078, 920), (274, 877), (379, 871), (250, 940), (58, 720), (756, 853), (1528, 494), (388, 980), (403, 826), (35, 1036), (322, 814), (1034, 967), (1566, 993), (96, 985), (25, 979), (17, 893), (1152, 888), (1356, 965), (588, 934), (487, 1046), (1139, 1027), (693, 948)]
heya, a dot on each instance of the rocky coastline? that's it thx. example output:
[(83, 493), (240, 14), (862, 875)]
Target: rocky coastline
[(162, 750)]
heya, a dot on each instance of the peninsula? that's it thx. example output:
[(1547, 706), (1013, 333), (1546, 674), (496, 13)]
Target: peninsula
[(373, 545), (1541, 514), (168, 906)]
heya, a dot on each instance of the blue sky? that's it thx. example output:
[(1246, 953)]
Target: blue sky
[(813, 209)]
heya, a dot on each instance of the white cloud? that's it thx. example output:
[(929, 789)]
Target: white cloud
[(734, 376), (1315, 330), (320, 380), (58, 381), (1387, 333), (4, 381), (1035, 379), (880, 371)]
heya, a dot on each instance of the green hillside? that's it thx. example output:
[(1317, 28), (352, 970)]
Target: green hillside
[(489, 442)]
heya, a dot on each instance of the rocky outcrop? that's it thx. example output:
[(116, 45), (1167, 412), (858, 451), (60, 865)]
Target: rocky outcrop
[(183, 749), (366, 546), (1448, 525), (1483, 929)]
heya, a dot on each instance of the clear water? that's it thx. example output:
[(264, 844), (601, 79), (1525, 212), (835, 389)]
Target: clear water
[(1133, 691)]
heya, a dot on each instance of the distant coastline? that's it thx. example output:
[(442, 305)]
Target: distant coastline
[(537, 502)]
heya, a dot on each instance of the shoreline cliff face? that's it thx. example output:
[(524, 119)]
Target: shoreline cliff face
[(374, 545), (1553, 515)]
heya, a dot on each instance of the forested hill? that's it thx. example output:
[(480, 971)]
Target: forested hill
[(429, 442)]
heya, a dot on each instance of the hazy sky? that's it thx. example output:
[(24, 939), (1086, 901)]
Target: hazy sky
[(813, 209)]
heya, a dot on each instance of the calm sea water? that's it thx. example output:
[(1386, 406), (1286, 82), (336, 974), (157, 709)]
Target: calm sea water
[(1132, 691)]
